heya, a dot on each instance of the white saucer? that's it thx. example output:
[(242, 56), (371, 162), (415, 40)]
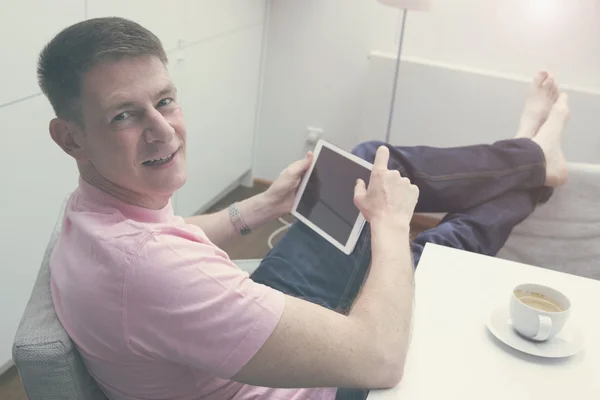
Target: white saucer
[(567, 343)]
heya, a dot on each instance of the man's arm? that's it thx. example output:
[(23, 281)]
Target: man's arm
[(218, 227), (276, 201), (316, 347)]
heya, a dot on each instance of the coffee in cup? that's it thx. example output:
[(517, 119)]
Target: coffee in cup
[(538, 312), (537, 301)]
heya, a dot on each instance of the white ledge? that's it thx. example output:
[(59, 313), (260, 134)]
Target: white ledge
[(462, 68)]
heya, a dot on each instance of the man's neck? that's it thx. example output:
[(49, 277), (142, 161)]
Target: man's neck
[(90, 175)]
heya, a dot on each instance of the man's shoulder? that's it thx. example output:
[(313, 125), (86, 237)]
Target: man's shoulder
[(178, 243), (108, 224), (107, 235), (103, 228), (104, 234)]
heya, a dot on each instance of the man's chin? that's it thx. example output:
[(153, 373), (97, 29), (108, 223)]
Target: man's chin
[(173, 185)]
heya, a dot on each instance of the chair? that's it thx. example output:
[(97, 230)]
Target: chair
[(564, 233), (48, 362)]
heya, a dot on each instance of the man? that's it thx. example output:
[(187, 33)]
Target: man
[(158, 311)]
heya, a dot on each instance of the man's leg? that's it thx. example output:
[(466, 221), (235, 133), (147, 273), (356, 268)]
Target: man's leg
[(305, 265), (456, 179), (485, 227), (482, 229)]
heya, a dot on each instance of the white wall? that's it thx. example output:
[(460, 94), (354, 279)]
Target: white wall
[(34, 173), (512, 36), (318, 71), (441, 106), (219, 94), (314, 72), (214, 48)]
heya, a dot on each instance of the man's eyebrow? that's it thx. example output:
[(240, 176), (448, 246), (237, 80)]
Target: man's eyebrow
[(169, 89), (120, 106)]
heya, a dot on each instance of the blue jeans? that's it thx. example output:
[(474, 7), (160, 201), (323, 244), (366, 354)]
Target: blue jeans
[(485, 189)]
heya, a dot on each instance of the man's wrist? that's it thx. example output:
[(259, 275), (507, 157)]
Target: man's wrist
[(236, 218), (397, 224), (272, 206), (255, 211)]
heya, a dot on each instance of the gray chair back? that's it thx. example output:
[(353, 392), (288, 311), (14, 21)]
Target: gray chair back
[(564, 233), (48, 362)]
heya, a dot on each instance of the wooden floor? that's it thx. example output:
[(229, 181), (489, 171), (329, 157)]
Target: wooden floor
[(10, 386)]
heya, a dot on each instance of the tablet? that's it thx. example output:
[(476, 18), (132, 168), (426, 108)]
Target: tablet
[(325, 198)]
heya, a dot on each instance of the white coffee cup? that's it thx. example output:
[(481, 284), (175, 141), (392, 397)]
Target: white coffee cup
[(538, 312)]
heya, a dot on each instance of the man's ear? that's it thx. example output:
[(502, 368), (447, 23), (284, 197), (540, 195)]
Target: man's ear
[(68, 137)]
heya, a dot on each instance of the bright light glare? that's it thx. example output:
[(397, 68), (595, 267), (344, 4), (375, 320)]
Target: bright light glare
[(543, 9)]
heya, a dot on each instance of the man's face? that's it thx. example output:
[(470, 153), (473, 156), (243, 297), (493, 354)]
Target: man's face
[(134, 134)]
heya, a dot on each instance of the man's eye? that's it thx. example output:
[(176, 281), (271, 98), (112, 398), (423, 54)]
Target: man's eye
[(164, 102), (122, 117)]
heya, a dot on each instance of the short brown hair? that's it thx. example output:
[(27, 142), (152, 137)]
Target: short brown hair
[(76, 49)]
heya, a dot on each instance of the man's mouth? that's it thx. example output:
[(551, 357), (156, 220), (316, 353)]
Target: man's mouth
[(160, 161)]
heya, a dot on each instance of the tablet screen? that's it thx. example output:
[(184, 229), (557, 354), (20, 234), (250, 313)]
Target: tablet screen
[(328, 200)]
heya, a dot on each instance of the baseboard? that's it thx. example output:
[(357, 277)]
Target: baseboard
[(6, 366), (260, 181), (247, 180)]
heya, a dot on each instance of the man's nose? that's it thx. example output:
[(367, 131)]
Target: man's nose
[(158, 129)]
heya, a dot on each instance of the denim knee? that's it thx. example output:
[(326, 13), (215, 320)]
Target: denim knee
[(367, 150)]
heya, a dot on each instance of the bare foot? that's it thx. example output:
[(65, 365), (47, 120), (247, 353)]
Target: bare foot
[(542, 94), (549, 139)]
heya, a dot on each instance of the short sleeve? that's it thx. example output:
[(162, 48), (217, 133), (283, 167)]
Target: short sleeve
[(186, 302)]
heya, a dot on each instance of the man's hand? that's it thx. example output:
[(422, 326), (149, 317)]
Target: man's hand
[(280, 195), (390, 197)]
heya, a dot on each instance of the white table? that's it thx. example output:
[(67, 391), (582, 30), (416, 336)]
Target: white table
[(454, 356)]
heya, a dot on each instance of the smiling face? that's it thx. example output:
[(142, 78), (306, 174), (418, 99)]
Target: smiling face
[(132, 140)]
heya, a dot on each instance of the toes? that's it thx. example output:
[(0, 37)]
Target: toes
[(549, 84), (539, 78)]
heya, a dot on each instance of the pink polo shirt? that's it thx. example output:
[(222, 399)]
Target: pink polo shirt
[(157, 310)]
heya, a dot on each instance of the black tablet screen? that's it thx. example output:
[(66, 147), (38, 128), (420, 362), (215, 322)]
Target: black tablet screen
[(328, 200)]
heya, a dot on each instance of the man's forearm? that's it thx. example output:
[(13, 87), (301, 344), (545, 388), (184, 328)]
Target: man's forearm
[(255, 211), (385, 303)]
